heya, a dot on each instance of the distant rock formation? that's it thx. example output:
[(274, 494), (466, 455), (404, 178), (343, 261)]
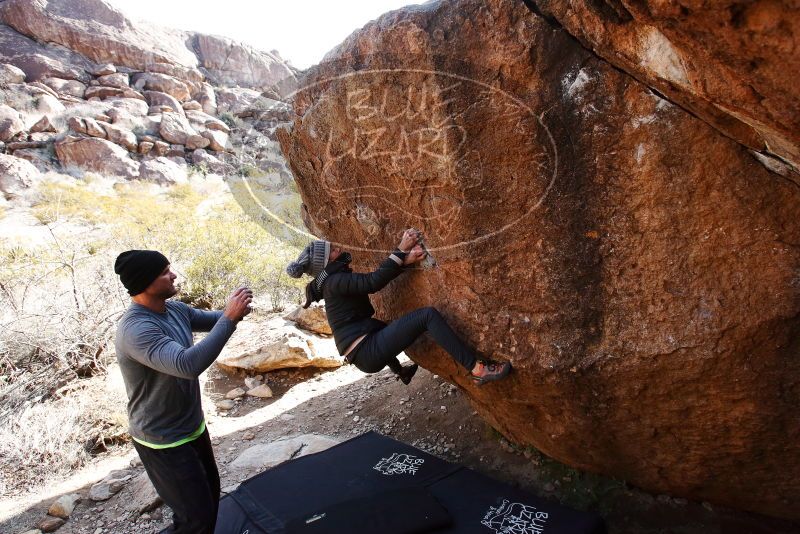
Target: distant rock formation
[(128, 99), (100, 33)]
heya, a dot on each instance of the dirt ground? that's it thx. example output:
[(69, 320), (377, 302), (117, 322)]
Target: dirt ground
[(429, 414)]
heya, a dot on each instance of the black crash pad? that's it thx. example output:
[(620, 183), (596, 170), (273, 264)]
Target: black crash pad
[(375, 484)]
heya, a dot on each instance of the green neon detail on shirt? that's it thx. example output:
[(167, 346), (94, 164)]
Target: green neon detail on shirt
[(193, 436)]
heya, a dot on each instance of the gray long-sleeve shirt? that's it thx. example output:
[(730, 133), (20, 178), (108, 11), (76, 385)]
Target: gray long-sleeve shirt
[(160, 366)]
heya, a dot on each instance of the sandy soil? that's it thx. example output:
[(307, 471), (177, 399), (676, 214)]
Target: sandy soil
[(430, 414)]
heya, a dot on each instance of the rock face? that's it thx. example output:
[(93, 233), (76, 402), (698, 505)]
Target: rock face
[(163, 171), (312, 319), (101, 32), (208, 99), (98, 155), (210, 163), (10, 122), (241, 102), (639, 268), (157, 98), (264, 456), (203, 120), (163, 83), (216, 140), (234, 64), (40, 61), (120, 136), (276, 345), (11, 74), (726, 63), (81, 67), (175, 128), (66, 87), (34, 101), (43, 125), (95, 30), (16, 174)]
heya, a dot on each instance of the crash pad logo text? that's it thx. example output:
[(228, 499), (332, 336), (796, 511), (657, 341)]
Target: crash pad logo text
[(399, 464), (515, 518)]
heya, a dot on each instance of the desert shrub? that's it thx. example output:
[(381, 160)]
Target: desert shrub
[(45, 440), (224, 252), (283, 202), (79, 201), (249, 171), (184, 196), (59, 304), (214, 253), (42, 435), (56, 202), (19, 100), (200, 169), (229, 119)]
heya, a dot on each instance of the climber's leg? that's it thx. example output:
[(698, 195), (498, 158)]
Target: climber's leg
[(380, 348)]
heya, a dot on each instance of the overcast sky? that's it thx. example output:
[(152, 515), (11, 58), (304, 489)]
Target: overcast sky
[(301, 30)]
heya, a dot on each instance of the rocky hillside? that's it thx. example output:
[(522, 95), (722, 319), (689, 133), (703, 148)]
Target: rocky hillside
[(83, 88), (610, 190), (65, 38)]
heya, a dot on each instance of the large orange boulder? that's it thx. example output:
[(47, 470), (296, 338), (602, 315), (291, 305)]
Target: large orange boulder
[(639, 268)]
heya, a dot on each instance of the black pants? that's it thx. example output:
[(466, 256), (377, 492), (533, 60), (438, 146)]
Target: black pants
[(381, 348), (186, 478)]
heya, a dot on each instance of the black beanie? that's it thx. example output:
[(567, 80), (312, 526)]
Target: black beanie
[(138, 268)]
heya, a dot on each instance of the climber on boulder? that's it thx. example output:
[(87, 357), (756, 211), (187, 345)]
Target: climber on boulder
[(366, 342)]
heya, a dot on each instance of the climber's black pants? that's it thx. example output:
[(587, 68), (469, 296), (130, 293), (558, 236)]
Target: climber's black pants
[(380, 348), (186, 479)]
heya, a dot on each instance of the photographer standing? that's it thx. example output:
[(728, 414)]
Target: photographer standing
[(160, 366)]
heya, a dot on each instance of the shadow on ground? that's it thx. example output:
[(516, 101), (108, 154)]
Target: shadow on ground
[(430, 414)]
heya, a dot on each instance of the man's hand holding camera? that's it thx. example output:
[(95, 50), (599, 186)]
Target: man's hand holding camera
[(239, 304)]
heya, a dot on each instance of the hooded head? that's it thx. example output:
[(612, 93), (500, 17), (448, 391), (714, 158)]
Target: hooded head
[(311, 261)]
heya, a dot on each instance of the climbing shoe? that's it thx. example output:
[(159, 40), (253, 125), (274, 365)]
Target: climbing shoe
[(490, 371), (406, 373)]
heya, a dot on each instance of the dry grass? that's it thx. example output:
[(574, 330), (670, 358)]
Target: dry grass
[(46, 440)]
